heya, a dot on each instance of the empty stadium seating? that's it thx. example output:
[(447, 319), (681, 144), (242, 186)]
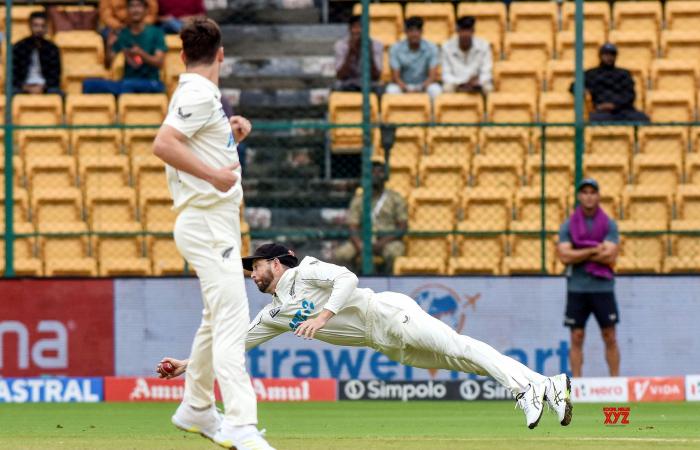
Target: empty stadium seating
[(142, 109), (683, 45), (566, 47), (386, 21), (438, 20), (534, 17), (531, 48), (82, 56), (90, 109), (596, 15), (635, 46), (637, 16), (674, 75), (346, 108), (517, 77), (682, 15)]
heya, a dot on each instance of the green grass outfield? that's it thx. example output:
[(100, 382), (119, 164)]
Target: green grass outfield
[(354, 425)]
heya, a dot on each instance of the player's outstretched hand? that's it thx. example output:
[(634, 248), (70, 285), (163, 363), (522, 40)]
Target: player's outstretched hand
[(225, 178), (241, 127), (169, 368), (308, 329)]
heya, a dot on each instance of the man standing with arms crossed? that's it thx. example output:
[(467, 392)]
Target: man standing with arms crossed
[(198, 144)]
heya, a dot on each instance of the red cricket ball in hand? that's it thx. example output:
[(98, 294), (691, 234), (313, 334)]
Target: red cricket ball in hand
[(166, 368)]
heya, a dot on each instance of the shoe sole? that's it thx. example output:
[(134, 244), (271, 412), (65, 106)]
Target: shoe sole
[(569, 410), (193, 430)]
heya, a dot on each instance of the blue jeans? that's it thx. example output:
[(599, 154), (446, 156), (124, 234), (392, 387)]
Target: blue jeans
[(125, 86)]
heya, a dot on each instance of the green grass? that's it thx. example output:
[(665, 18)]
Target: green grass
[(350, 425)]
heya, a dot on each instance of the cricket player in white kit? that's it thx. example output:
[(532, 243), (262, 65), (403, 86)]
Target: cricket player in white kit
[(198, 143), (322, 300)]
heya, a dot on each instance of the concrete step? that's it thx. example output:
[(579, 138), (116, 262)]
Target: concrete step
[(281, 40)]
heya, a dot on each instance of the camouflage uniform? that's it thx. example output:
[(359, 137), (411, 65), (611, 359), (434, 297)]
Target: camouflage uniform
[(391, 211)]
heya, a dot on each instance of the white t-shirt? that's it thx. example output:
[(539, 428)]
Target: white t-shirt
[(303, 292), (195, 110)]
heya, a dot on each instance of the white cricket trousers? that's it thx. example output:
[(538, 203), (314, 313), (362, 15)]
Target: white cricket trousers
[(210, 240), (403, 331)]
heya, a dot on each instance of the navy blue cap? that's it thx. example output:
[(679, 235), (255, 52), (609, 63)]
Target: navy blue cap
[(271, 251), (608, 48), (587, 182)]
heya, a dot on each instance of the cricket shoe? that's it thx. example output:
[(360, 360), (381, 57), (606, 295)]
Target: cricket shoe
[(204, 422), (531, 402), (557, 392), (241, 438)]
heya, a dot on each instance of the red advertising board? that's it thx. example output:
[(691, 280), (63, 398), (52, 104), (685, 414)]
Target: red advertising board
[(56, 327), (144, 389), (656, 389)]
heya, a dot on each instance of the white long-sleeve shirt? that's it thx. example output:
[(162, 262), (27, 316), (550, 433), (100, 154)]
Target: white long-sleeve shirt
[(303, 292), (458, 66)]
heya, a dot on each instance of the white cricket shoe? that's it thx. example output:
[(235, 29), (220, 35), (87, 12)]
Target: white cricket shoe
[(204, 422), (558, 395), (531, 402), (241, 438)]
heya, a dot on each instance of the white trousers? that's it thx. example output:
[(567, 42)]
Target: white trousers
[(210, 240), (404, 332)]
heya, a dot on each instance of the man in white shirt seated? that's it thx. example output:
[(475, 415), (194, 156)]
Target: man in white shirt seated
[(322, 300), (467, 62)]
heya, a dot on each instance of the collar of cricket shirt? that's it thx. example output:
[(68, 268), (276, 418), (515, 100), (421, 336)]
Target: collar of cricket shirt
[(286, 284), (197, 78)]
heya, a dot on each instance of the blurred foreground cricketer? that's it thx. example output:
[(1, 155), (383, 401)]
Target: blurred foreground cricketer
[(322, 300), (198, 143)]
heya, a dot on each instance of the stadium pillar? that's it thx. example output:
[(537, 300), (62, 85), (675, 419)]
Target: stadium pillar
[(578, 94), (9, 169), (367, 263)]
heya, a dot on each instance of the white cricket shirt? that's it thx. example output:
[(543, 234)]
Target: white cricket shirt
[(303, 292), (195, 110)]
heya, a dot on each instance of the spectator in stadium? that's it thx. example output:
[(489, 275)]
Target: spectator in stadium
[(36, 61), (612, 90), (466, 60), (588, 245), (414, 62), (172, 13), (114, 15), (347, 60), (144, 50), (389, 215)]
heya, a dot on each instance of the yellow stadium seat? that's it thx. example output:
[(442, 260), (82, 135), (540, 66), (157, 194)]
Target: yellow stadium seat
[(640, 73), (528, 201), (111, 210), (38, 143), (139, 143), (120, 255), (692, 168), (610, 140), (557, 107), (559, 75), (660, 171), (506, 143), (559, 173), (90, 109), (642, 247), (432, 209), (670, 106), (610, 203), (173, 66), (166, 259), (49, 172), (637, 16), (511, 108), (517, 77), (20, 20), (20, 207), (29, 109), (68, 255), (685, 246), (687, 205), (406, 108), (674, 75), (438, 20), (534, 17), (647, 204), (525, 254), (25, 261), (142, 109), (2, 110), (611, 171), (96, 143), (566, 47), (386, 21), (58, 209), (496, 172), (665, 141), (490, 21), (402, 176), (683, 45), (346, 108), (531, 48), (451, 142), (72, 81), (459, 108), (82, 54), (486, 209), (596, 15), (634, 46), (479, 252), (424, 255), (157, 214), (100, 174), (682, 15), (150, 178), (409, 144), (558, 143), (443, 174)]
